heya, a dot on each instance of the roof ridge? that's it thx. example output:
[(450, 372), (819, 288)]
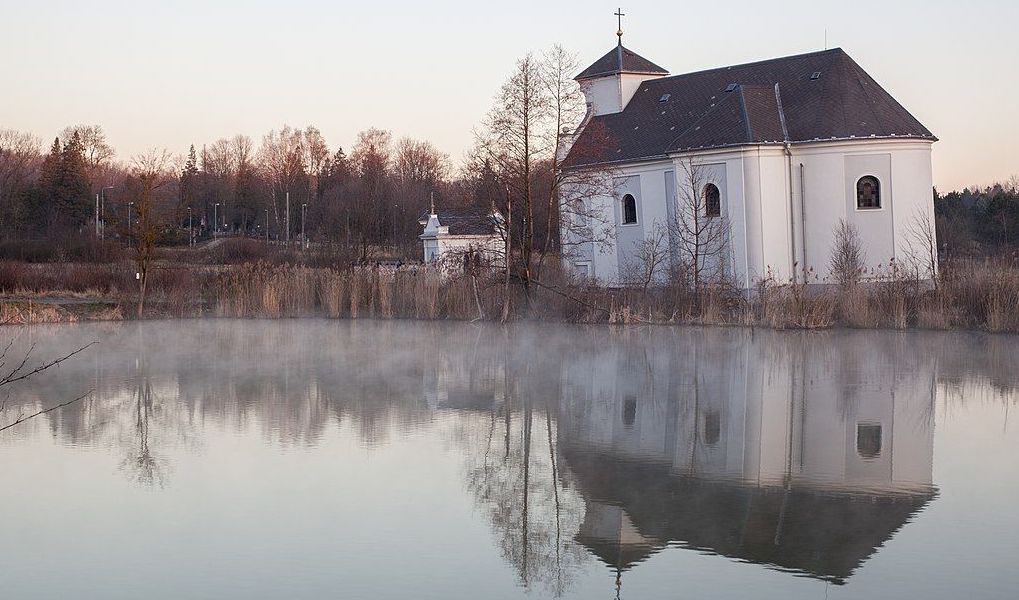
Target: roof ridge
[(615, 61), (781, 113), (711, 110), (746, 115), (751, 64)]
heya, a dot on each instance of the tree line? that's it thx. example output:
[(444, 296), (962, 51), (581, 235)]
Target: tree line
[(371, 197), (979, 220)]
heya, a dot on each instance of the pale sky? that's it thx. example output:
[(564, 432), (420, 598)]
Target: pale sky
[(168, 74)]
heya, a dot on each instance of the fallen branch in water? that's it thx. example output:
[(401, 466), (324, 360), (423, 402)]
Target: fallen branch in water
[(23, 418)]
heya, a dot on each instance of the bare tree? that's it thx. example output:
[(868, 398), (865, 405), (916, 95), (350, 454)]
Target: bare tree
[(14, 370), (420, 163), (282, 158), (922, 246), (700, 228), (651, 257), (584, 224), (152, 170), (848, 260), (1012, 185), (372, 160), (20, 159), (514, 139), (316, 153), (96, 151), (567, 107)]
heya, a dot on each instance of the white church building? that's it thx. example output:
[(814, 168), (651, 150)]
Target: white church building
[(787, 147), (462, 237)]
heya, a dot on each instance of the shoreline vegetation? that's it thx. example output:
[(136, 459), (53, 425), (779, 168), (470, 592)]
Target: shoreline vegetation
[(247, 279)]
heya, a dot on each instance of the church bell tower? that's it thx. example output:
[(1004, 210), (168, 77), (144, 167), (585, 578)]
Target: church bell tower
[(613, 79)]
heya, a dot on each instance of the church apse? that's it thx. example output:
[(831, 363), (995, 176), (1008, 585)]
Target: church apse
[(804, 454)]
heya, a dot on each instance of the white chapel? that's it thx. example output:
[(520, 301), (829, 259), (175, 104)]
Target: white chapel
[(786, 147)]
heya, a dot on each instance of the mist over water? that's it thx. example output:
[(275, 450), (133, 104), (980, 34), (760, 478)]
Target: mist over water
[(324, 458)]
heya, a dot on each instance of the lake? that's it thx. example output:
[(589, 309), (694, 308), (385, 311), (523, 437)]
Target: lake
[(357, 459)]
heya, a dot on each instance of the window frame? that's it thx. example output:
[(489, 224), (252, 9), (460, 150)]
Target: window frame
[(869, 428), (704, 193), (879, 193), (622, 211), (629, 416), (587, 266), (711, 428)]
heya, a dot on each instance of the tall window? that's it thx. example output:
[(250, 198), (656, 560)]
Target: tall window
[(579, 217), (629, 410), (712, 427), (868, 440), (629, 209), (868, 192), (712, 201)]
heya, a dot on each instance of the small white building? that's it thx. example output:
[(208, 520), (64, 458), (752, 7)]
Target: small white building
[(463, 237), (787, 148)]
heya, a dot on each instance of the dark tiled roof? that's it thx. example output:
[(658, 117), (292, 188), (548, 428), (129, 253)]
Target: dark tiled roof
[(824, 534), (465, 221), (769, 102), (632, 63)]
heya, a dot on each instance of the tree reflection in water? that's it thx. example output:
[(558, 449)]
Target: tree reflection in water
[(799, 452)]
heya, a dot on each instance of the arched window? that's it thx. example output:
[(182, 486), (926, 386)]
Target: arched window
[(629, 209), (868, 440), (712, 201), (868, 192), (579, 210), (629, 410), (712, 427)]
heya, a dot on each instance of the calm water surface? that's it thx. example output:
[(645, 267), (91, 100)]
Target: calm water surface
[(326, 459)]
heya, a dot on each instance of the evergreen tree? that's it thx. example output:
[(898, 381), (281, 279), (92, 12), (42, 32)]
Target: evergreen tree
[(245, 197), (72, 196), (189, 180), (42, 209)]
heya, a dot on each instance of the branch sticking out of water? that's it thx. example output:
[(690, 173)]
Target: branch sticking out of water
[(23, 418), (17, 375)]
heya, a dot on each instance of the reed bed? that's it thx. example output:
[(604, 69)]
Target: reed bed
[(971, 294)]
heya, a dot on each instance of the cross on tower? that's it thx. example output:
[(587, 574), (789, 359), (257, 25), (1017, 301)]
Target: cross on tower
[(619, 15)]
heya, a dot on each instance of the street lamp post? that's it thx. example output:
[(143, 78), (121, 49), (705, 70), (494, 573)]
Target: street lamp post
[(129, 205), (304, 240), (396, 212), (191, 233), (215, 219), (288, 218), (102, 210)]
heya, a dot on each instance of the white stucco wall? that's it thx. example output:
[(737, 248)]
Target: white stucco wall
[(782, 417), (772, 232), (829, 174), (452, 248), (608, 95)]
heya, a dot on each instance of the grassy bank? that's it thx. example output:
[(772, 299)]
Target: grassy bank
[(970, 294)]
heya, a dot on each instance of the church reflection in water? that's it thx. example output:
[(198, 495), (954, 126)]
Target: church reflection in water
[(799, 452), (804, 456)]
